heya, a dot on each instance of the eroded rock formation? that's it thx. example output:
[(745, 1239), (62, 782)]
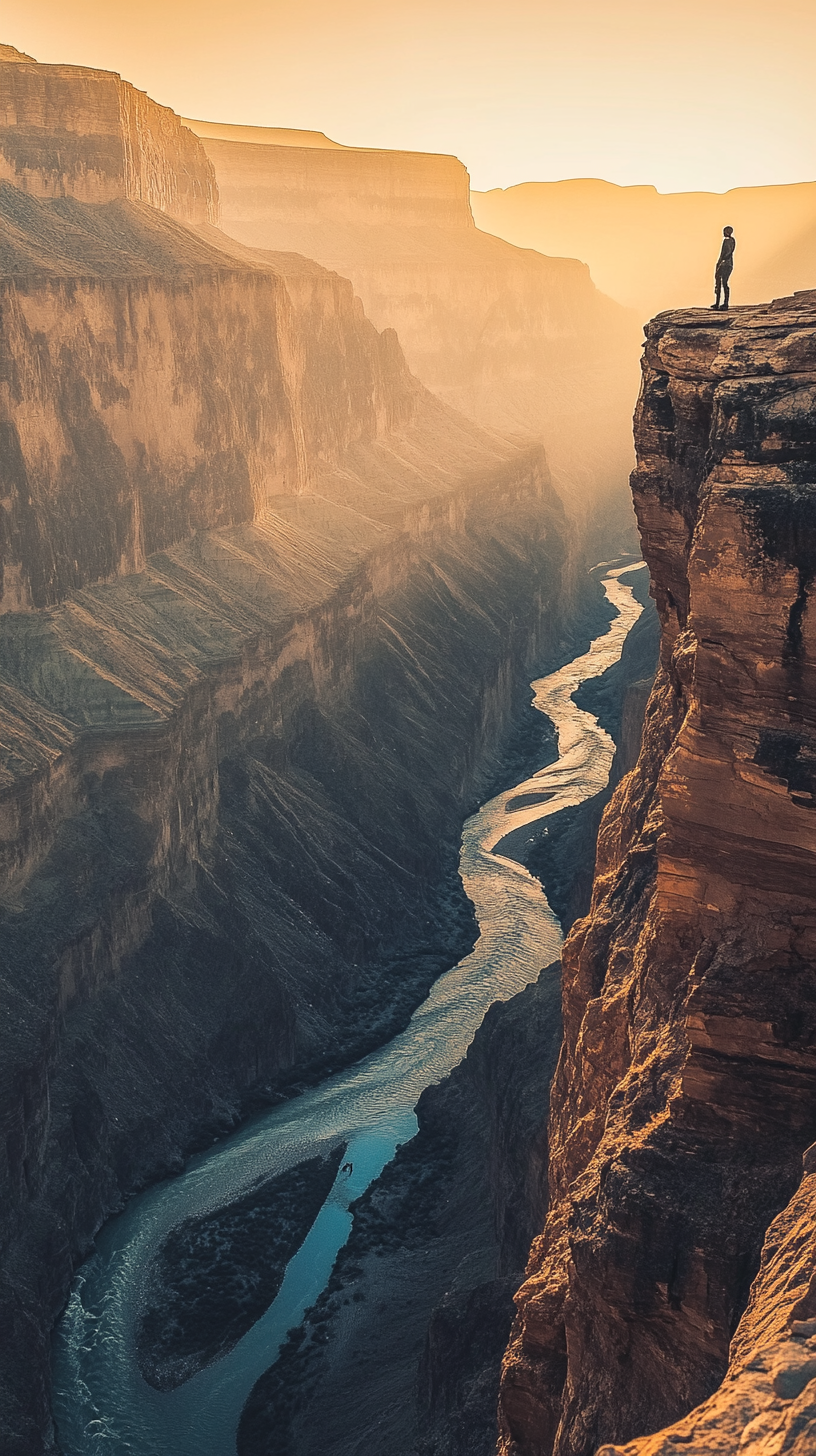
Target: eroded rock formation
[(686, 1089), (70, 131), (518, 341), (766, 1406), (269, 608), (152, 386)]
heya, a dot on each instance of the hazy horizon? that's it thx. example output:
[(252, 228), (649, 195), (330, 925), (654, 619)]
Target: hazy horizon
[(682, 98)]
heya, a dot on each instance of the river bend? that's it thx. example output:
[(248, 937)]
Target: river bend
[(102, 1406)]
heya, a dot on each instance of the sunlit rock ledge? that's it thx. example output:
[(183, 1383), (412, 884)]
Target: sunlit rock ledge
[(686, 1090), (74, 131)]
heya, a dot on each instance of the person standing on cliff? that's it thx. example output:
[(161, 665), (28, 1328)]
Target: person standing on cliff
[(725, 264)]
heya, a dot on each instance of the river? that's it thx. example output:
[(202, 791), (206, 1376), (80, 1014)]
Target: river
[(101, 1402)]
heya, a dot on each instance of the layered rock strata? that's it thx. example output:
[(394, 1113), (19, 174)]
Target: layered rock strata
[(270, 609), (766, 1406), (273, 177), (518, 341), (686, 1089), (152, 385), (70, 131)]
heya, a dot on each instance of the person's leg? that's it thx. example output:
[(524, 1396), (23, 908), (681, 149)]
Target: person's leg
[(717, 288), (726, 290)]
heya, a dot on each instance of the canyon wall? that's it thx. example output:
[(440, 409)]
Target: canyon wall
[(295, 186), (70, 131), (686, 1088), (234, 785), (652, 250), (151, 386), (766, 1406), (269, 610), (517, 341), (403, 1350)]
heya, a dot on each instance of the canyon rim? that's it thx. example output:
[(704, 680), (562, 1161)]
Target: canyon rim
[(407, 835)]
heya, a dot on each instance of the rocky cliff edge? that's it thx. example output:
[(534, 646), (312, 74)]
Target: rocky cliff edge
[(72, 131), (686, 1090)]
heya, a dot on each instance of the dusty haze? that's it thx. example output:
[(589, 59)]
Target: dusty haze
[(681, 95), (650, 251)]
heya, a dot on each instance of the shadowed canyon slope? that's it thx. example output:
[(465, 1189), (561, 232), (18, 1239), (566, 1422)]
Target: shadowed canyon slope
[(517, 341), (154, 386), (651, 250), (766, 1406), (686, 1090), (269, 608)]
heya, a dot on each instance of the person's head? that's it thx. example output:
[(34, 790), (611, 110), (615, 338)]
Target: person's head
[(727, 232)]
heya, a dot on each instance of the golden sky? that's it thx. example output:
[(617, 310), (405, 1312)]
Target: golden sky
[(685, 94)]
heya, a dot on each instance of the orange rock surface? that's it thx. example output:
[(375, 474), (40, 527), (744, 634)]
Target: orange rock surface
[(686, 1090), (71, 131), (519, 342)]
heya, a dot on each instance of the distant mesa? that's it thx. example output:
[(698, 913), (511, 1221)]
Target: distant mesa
[(653, 251), (521, 343), (72, 131), (263, 136)]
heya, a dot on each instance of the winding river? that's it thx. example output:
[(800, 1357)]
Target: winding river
[(101, 1402)]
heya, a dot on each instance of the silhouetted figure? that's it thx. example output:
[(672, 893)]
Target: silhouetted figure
[(725, 264), (347, 1168)]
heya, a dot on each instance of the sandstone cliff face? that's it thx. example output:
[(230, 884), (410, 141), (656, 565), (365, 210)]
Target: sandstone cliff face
[(151, 386), (351, 185), (766, 1406), (517, 341), (269, 609), (70, 131), (686, 1090)]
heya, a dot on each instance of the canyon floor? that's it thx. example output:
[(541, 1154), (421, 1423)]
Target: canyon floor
[(402, 1352), (269, 613)]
